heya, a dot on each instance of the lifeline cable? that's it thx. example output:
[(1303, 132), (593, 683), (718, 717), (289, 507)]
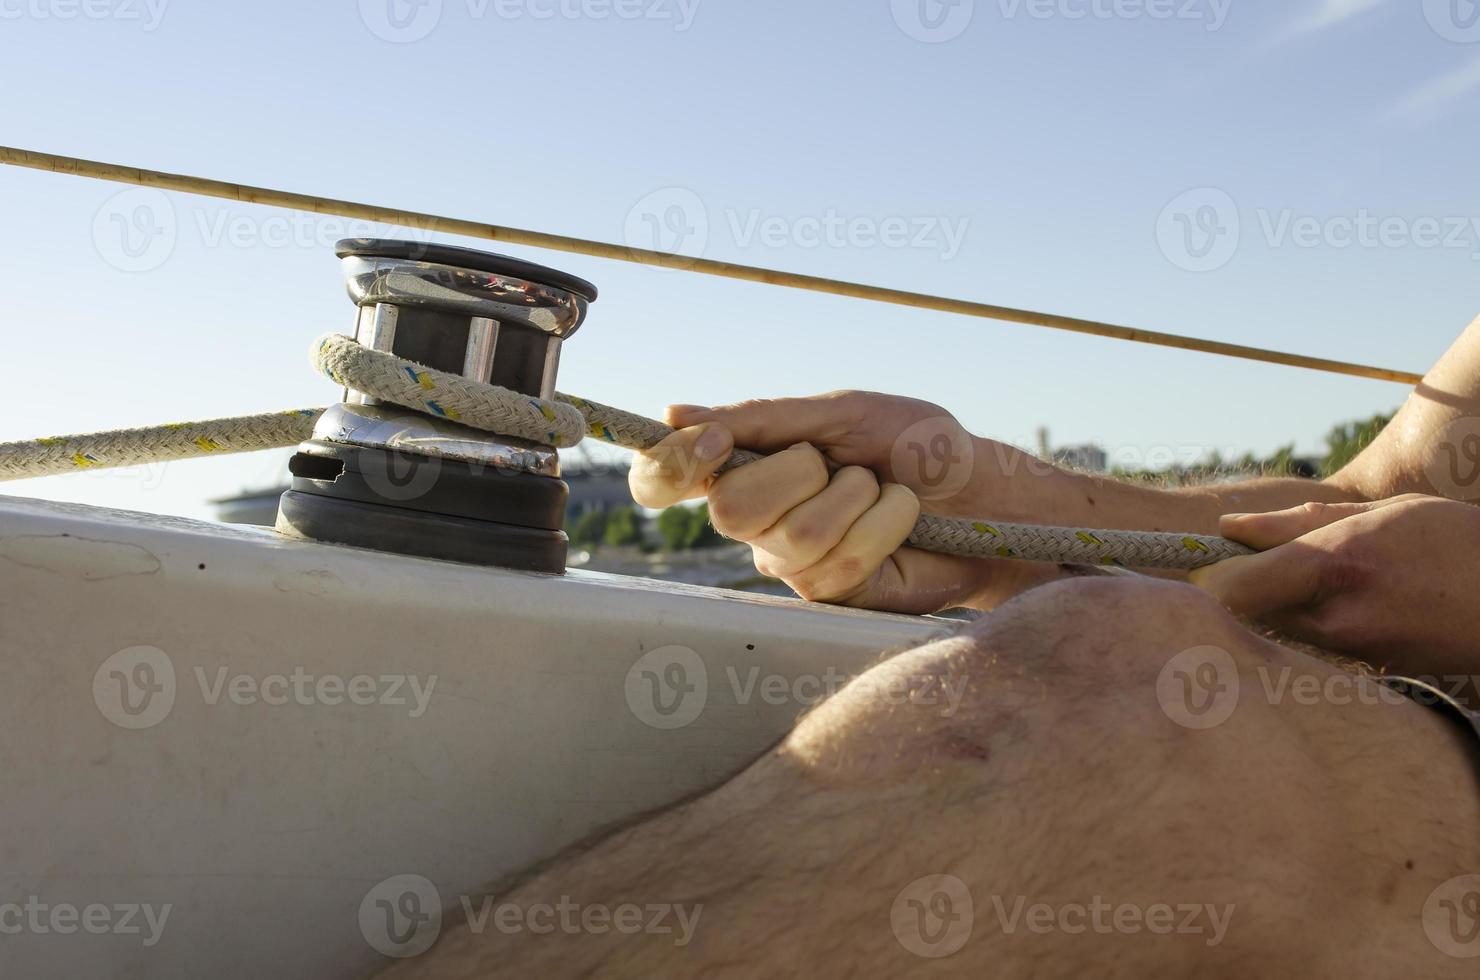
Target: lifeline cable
[(427, 223), (562, 422)]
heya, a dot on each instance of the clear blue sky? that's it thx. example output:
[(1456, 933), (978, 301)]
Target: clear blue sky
[(1031, 147)]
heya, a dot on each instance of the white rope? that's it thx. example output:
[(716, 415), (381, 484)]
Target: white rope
[(563, 422), (448, 396), (131, 447)]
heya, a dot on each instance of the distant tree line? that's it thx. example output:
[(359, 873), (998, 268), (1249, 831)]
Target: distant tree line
[(680, 528), (1343, 443)]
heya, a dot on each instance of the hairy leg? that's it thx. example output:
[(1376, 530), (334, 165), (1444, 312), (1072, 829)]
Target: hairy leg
[(1031, 798)]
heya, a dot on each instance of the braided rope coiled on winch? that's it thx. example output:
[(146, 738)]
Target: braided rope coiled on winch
[(562, 422)]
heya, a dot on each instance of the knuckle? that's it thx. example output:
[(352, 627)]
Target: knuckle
[(1345, 567), (858, 478), (803, 588), (765, 563), (801, 536), (813, 465), (734, 512), (901, 497), (808, 587), (725, 513)]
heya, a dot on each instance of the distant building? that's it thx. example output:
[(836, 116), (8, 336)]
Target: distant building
[(1088, 458), (596, 487), (251, 507)]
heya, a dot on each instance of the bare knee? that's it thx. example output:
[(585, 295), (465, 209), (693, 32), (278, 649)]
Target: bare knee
[(1071, 669), (1109, 631), (1048, 726)]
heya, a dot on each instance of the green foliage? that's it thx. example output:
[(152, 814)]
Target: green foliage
[(589, 529), (708, 536), (1282, 463), (683, 528), (676, 525), (1345, 441), (623, 527)]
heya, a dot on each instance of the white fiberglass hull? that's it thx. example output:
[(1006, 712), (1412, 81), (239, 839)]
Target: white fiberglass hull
[(215, 742)]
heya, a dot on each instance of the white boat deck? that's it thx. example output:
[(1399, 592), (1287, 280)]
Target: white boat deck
[(257, 731)]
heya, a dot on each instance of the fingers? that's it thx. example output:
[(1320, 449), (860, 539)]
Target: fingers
[(846, 571), (813, 528), (774, 424), (1287, 577), (747, 501), (1265, 531), (679, 467)]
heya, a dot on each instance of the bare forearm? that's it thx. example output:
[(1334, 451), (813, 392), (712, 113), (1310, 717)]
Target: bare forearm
[(1429, 447), (1039, 493), (1437, 431), (1194, 509)]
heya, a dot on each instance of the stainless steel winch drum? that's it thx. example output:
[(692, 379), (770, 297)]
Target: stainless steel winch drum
[(385, 477)]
